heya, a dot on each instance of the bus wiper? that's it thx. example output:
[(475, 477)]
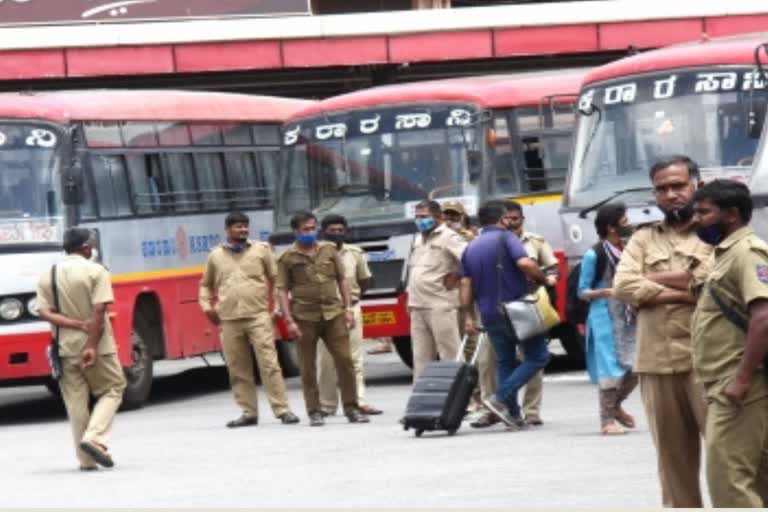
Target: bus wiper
[(583, 213)]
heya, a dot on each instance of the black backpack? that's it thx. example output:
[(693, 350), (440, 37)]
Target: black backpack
[(576, 309)]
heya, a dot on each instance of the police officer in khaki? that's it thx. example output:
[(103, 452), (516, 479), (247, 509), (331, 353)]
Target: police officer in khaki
[(433, 278), (319, 306), (241, 273), (541, 252), (334, 229), (730, 341), (90, 365), (657, 269)]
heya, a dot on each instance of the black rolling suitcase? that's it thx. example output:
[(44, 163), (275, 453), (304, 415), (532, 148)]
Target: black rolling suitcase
[(441, 394)]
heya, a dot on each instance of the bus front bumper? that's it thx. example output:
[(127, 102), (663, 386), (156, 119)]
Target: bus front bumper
[(23, 351)]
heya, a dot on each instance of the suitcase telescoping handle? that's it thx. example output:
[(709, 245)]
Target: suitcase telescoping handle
[(460, 354)]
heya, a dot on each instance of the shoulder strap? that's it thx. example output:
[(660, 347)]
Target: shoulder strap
[(499, 265), (56, 305), (736, 318)]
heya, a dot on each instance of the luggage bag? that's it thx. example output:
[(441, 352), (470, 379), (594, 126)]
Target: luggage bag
[(441, 394)]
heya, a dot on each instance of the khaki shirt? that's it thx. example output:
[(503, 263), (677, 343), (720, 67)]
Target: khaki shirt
[(431, 261), (241, 280), (663, 331), (739, 276), (313, 282), (81, 285), (539, 250), (355, 269)]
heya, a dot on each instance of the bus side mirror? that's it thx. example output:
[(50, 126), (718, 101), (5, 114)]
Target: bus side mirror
[(757, 109), (72, 187)]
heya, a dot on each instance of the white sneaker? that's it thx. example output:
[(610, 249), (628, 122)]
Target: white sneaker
[(500, 410)]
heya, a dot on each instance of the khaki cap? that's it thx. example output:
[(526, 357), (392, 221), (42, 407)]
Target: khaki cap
[(455, 206)]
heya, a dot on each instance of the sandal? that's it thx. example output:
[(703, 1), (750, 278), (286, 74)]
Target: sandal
[(612, 429), (98, 453), (625, 418)]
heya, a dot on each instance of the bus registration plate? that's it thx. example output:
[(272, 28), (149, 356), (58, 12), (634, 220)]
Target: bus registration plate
[(379, 318)]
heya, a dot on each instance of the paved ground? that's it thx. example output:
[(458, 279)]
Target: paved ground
[(175, 452)]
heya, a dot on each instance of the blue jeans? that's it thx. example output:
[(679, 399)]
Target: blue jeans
[(510, 372)]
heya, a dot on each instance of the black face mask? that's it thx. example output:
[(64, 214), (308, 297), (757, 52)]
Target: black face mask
[(625, 231), (678, 215), (337, 239)]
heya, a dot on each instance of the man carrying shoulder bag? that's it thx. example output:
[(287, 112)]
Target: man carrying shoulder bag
[(492, 277)]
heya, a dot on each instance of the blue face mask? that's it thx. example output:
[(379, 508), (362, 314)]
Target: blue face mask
[(424, 225), (307, 238), (712, 234)]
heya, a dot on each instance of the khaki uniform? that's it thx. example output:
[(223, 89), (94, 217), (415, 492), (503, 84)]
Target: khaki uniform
[(313, 281), (355, 270), (737, 435), (242, 282), (673, 402), (81, 285), (433, 307)]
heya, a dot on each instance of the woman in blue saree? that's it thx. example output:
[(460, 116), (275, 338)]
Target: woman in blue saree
[(610, 326)]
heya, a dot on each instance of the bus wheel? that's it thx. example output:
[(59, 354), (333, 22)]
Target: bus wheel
[(572, 342), (404, 349), (139, 375), (53, 387), (286, 355)]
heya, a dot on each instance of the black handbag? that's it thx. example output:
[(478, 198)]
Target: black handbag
[(54, 355)]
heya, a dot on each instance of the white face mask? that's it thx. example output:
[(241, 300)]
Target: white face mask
[(454, 225)]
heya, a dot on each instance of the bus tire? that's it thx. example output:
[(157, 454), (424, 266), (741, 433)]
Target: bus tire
[(53, 387), (286, 355), (139, 375), (572, 342), (404, 349)]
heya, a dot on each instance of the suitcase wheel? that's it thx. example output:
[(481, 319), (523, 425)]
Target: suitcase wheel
[(418, 432)]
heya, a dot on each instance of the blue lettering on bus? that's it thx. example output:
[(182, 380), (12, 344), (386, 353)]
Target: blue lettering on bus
[(198, 244)]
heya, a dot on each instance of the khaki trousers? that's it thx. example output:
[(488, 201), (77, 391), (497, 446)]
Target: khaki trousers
[(737, 448), (486, 367), (106, 382), (433, 332), (335, 336), (676, 411), (240, 340), (534, 389), (326, 369)]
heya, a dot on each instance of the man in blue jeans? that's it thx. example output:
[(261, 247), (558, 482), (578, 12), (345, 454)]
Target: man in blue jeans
[(480, 284)]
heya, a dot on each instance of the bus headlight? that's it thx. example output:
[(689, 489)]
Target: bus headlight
[(32, 307), (11, 309)]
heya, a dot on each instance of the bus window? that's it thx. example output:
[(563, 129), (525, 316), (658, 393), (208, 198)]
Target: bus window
[(237, 135), (269, 162), (139, 134), (146, 186), (206, 134), (247, 189), (211, 180), (506, 179), (179, 178), (103, 134), (266, 135), (545, 136), (174, 134), (111, 186)]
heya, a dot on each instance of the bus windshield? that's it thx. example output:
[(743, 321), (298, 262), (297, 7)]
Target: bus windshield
[(373, 166), (29, 184), (625, 126)]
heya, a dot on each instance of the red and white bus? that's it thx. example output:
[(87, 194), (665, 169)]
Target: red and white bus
[(705, 99), (153, 173), (372, 155)]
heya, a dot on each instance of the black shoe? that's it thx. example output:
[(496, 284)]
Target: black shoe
[(289, 418), (316, 420), (243, 421), (89, 468), (97, 453), (355, 416)]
